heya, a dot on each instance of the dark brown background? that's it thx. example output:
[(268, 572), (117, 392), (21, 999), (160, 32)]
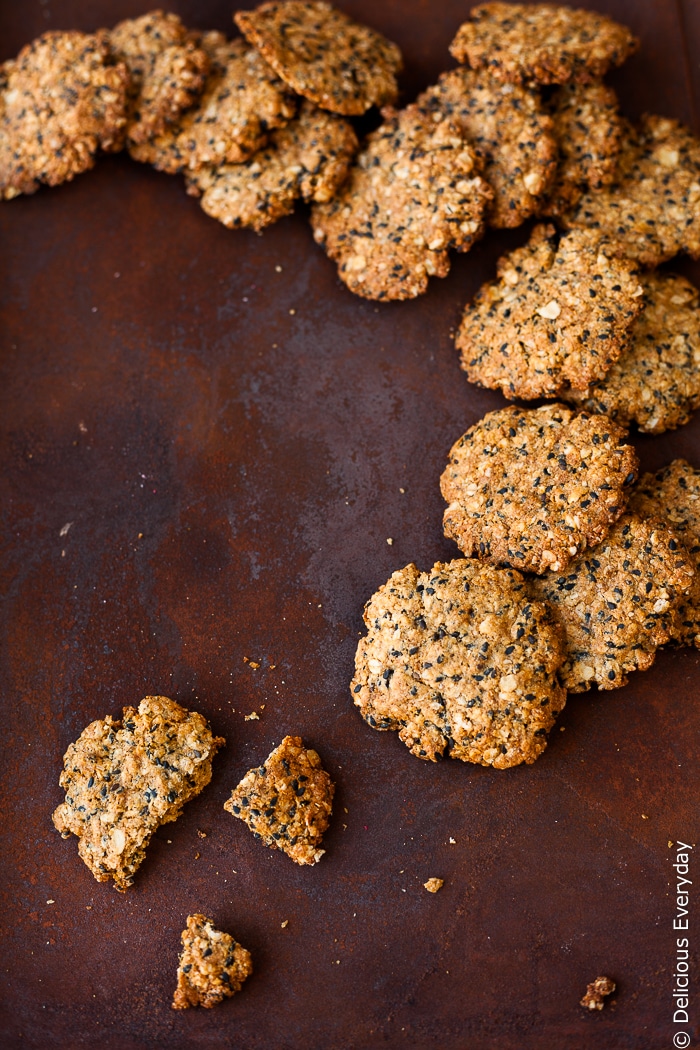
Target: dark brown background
[(232, 472)]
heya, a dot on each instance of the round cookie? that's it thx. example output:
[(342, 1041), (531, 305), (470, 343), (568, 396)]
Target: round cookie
[(459, 659), (533, 488)]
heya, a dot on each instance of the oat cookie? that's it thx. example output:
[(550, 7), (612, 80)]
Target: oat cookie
[(541, 43), (124, 779), (532, 488), (287, 802), (415, 192), (617, 602), (213, 965), (307, 159), (653, 207), (510, 128), (61, 100), (324, 55), (656, 382), (459, 659), (560, 313)]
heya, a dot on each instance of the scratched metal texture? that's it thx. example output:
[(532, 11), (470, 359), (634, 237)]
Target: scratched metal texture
[(228, 432)]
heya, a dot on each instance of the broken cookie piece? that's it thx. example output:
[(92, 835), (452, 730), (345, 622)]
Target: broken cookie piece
[(213, 965), (287, 802), (594, 999)]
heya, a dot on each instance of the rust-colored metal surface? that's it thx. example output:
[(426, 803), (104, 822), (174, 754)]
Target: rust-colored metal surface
[(233, 439)]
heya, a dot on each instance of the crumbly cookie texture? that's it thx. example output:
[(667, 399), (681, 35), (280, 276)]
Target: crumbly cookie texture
[(533, 488), (656, 382), (559, 314), (541, 43), (213, 965), (324, 55), (594, 999), (123, 779), (287, 801), (617, 602), (61, 100), (653, 207), (307, 159), (415, 191), (508, 125), (460, 659), (673, 496)]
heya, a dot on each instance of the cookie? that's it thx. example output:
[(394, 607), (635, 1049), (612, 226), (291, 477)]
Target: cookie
[(559, 314), (673, 496), (324, 55), (541, 43), (460, 660), (656, 382), (533, 488), (124, 779), (307, 159), (287, 802), (213, 965), (617, 602), (653, 207), (415, 191), (511, 130), (61, 100)]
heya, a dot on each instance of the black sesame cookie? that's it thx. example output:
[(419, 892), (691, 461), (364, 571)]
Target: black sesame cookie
[(324, 55), (541, 43), (508, 125), (61, 100), (459, 659), (287, 801), (656, 382), (533, 488), (124, 779), (617, 603), (415, 191), (559, 314), (653, 207), (308, 159), (213, 965)]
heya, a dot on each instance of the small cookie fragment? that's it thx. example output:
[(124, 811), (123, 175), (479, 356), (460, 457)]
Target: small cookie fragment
[(594, 999), (459, 659), (433, 885), (287, 802), (124, 779), (541, 43), (656, 382), (212, 967), (533, 488), (560, 313), (617, 602), (510, 128), (415, 191), (324, 55)]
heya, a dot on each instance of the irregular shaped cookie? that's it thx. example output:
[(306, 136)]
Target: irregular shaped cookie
[(532, 488), (656, 382), (323, 54), (653, 207), (61, 100), (541, 43), (560, 314), (617, 603), (510, 128), (213, 965), (460, 659), (415, 192), (124, 779), (287, 802), (673, 496), (307, 159)]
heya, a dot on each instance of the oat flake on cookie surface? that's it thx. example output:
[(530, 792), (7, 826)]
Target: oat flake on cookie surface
[(559, 314), (532, 488), (460, 660), (123, 779), (212, 967)]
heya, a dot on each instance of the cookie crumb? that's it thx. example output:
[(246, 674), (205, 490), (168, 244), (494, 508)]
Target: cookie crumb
[(594, 999), (433, 885)]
